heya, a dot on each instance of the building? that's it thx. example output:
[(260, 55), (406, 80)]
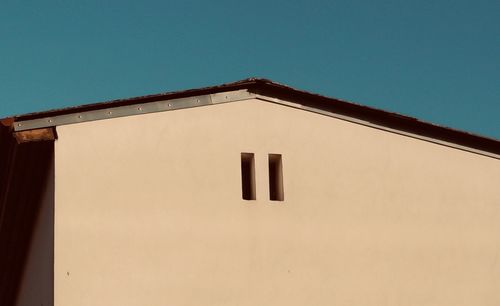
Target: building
[(249, 193)]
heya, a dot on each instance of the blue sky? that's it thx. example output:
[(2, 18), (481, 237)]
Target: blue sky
[(435, 60)]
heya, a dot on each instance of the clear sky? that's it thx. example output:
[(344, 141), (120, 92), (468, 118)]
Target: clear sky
[(435, 60)]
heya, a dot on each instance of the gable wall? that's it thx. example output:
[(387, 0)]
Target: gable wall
[(149, 212)]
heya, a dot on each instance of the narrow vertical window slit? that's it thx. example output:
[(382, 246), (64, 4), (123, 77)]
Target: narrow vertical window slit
[(276, 192), (248, 176)]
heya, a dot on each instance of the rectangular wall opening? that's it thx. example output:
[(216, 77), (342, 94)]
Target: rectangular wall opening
[(248, 176), (276, 178)]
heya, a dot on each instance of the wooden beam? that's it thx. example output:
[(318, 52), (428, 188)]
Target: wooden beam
[(45, 134)]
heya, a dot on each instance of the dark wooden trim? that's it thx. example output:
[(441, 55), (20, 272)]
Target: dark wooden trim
[(383, 118), (23, 174)]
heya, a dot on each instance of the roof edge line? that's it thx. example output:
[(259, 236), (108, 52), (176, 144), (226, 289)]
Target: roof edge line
[(132, 110), (272, 89), (376, 126)]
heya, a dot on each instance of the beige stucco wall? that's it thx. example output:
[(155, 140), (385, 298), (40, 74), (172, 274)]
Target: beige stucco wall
[(149, 212)]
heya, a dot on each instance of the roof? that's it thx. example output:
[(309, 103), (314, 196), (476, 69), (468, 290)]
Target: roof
[(264, 87)]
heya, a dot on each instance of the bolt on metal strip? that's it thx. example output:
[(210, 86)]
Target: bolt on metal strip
[(231, 96)]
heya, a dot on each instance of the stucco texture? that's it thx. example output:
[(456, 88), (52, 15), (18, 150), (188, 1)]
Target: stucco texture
[(149, 211)]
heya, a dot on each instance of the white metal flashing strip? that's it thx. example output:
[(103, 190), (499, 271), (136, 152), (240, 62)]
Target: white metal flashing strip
[(131, 110), (211, 99)]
